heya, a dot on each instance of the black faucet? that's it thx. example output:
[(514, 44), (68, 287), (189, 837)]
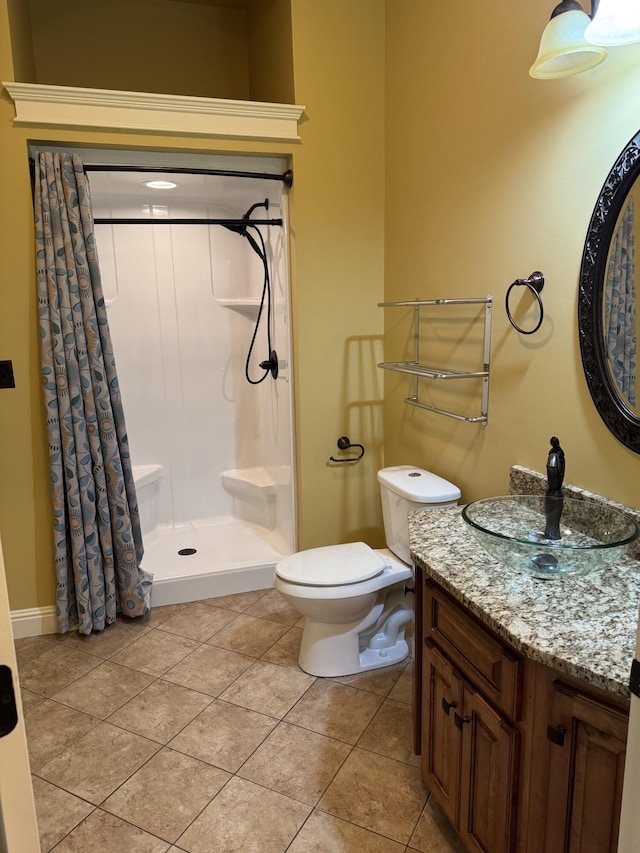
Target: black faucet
[(553, 499)]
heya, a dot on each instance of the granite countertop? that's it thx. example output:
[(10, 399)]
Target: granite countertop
[(585, 627)]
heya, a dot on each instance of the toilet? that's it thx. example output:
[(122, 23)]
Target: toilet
[(354, 598)]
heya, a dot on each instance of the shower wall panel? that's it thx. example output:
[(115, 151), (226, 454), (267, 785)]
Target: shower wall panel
[(182, 303), (171, 341)]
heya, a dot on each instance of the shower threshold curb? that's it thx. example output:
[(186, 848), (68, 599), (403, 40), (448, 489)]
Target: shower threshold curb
[(178, 590)]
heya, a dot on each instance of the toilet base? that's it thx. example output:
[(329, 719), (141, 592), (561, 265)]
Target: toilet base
[(374, 658), (316, 659), (330, 650)]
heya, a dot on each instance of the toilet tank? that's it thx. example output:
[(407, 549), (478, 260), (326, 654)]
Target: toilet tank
[(404, 488)]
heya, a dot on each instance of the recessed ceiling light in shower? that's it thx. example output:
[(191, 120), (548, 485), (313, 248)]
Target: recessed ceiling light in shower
[(161, 185)]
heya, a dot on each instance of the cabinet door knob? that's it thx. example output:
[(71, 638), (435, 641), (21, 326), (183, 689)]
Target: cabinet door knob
[(460, 721), (556, 734), (446, 706)]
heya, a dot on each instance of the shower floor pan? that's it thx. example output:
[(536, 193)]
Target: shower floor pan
[(224, 556)]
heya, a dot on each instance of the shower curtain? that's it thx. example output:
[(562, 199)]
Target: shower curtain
[(620, 308), (98, 544)]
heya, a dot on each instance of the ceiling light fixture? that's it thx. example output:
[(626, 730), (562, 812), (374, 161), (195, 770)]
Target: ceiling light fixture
[(614, 23), (573, 42), (564, 49), (160, 185)]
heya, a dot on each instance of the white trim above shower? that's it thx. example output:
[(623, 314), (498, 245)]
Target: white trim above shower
[(70, 106)]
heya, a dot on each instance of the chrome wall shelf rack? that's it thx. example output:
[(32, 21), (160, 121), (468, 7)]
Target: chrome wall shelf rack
[(422, 371)]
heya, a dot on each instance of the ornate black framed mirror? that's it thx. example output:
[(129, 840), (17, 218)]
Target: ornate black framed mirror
[(607, 319)]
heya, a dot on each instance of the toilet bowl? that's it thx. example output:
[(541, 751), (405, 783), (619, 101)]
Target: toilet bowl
[(357, 601)]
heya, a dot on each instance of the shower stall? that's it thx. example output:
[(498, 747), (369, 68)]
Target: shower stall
[(199, 311)]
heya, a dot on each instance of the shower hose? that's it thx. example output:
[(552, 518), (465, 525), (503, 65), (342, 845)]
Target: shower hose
[(270, 365)]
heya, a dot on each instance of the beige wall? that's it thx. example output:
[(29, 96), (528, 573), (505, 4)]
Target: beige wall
[(164, 46), (270, 52), (491, 175), (338, 202), (338, 53), (21, 41)]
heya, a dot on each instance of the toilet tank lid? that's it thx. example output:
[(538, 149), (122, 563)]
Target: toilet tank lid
[(332, 565), (418, 485)]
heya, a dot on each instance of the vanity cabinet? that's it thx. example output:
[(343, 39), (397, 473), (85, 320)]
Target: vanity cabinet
[(519, 756), (469, 749), (584, 773)]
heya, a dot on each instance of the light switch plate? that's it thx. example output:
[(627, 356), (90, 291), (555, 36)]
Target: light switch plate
[(6, 375)]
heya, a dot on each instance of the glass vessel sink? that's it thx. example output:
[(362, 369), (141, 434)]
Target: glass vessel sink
[(512, 530)]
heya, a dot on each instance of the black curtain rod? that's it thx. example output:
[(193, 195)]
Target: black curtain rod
[(98, 220), (286, 178)]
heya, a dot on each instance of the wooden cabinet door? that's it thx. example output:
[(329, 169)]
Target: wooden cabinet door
[(441, 699), (490, 754), (585, 773)]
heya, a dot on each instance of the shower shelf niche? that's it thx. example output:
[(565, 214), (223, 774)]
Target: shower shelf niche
[(247, 307), (422, 371)]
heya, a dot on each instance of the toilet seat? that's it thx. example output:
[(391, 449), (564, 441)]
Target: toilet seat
[(332, 565)]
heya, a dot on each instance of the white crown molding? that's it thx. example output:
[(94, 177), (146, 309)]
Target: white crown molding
[(68, 106)]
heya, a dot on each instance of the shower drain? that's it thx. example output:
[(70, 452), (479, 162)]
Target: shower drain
[(185, 552)]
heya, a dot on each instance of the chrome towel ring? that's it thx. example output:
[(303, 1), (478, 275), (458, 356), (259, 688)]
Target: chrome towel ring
[(534, 283)]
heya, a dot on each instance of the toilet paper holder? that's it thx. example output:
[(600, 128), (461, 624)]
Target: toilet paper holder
[(344, 443)]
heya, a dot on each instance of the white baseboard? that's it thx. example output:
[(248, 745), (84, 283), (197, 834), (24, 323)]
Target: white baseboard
[(36, 621), (33, 622)]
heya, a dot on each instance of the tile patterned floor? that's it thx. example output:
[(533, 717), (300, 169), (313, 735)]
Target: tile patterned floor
[(196, 731)]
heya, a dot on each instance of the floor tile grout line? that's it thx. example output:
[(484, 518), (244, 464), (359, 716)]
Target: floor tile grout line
[(188, 654), (155, 743), (101, 805), (137, 826), (273, 789), (156, 679), (352, 823), (168, 746), (150, 629), (53, 696), (173, 736), (312, 807), (208, 640), (94, 807), (160, 745), (143, 621), (98, 661), (62, 638), (100, 809), (353, 749), (232, 775)]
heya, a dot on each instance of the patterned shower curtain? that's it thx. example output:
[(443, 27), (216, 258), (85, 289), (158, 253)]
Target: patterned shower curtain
[(98, 544), (620, 308)]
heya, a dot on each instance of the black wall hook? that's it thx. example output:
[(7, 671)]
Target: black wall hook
[(344, 444)]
